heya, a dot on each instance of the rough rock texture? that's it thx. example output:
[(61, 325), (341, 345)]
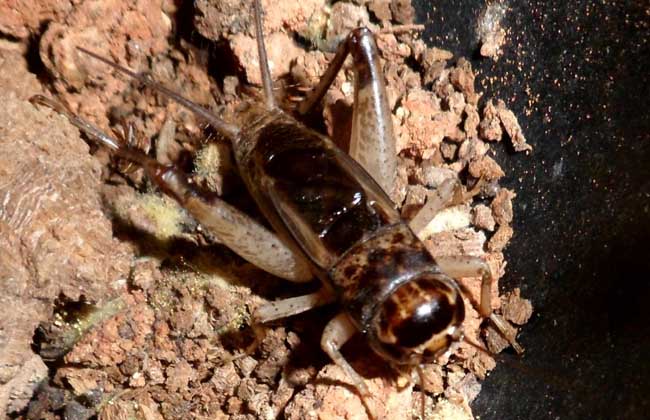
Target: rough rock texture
[(515, 308), (280, 55), (55, 241), (14, 77), (129, 33), (21, 18), (337, 398)]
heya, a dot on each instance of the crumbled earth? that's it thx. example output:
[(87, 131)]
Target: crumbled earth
[(56, 244), (128, 309)]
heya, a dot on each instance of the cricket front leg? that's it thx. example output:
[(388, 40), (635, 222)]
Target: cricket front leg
[(448, 193), (337, 332), (235, 229), (469, 266), (372, 140), (284, 308), (438, 200)]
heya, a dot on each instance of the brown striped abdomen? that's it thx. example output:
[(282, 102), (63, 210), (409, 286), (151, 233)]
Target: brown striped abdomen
[(310, 189)]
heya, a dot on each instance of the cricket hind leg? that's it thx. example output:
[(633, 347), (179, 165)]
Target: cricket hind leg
[(372, 140), (235, 229)]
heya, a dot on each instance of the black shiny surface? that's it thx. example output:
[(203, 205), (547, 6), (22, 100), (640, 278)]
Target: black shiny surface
[(429, 312), (576, 75), (307, 174)]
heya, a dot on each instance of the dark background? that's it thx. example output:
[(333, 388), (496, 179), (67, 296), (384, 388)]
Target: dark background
[(576, 75)]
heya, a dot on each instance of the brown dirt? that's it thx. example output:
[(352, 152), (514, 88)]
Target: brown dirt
[(138, 312)]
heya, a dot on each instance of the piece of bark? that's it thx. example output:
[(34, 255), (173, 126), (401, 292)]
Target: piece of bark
[(500, 238), (512, 127)]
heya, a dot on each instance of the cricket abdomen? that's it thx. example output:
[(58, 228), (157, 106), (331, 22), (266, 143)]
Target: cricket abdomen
[(309, 189)]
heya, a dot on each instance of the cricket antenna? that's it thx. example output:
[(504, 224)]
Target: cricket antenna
[(264, 61), (94, 133), (229, 131)]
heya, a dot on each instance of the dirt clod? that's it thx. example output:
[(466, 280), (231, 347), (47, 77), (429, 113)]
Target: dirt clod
[(515, 308)]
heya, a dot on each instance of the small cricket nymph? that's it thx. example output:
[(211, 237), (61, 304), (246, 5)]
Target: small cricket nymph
[(331, 215)]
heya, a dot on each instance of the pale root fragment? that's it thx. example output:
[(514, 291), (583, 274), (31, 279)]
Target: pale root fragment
[(451, 218)]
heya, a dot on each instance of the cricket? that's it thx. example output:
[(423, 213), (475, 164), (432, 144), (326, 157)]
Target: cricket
[(332, 217)]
